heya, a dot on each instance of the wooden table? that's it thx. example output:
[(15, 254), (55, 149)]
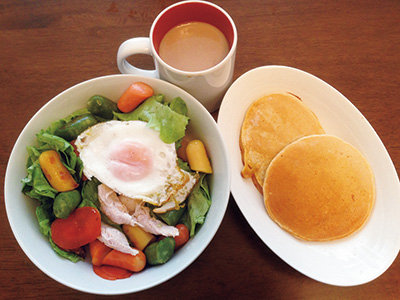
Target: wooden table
[(48, 46)]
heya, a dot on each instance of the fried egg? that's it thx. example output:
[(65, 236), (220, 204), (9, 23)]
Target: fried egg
[(131, 159)]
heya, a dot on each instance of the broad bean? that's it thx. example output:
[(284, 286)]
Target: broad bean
[(172, 217), (160, 252), (102, 107), (76, 126), (65, 203)]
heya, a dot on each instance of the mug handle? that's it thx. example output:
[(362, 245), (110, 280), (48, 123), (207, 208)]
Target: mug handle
[(138, 45)]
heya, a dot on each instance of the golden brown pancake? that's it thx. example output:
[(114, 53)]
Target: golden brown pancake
[(271, 123), (319, 188)]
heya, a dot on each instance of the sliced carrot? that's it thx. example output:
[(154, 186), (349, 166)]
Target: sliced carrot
[(111, 273), (134, 263), (133, 96), (183, 236), (98, 251)]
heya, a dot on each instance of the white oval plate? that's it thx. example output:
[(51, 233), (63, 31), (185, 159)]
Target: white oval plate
[(356, 259)]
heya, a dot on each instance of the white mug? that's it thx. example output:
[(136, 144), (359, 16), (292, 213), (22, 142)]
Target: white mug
[(208, 86)]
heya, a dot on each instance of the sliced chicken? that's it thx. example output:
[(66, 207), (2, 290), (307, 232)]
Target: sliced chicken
[(152, 225), (115, 239), (112, 207), (138, 214)]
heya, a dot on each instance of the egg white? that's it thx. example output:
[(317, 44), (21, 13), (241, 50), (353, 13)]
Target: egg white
[(97, 147)]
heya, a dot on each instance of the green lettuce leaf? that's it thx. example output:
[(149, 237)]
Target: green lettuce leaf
[(89, 193), (179, 106), (45, 217), (198, 204), (68, 255), (49, 141), (184, 166), (161, 117), (35, 184), (60, 123)]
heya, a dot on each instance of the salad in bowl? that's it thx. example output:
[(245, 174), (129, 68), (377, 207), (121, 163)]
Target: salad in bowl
[(121, 183)]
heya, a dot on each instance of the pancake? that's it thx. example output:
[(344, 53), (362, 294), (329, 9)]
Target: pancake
[(271, 123), (319, 188)]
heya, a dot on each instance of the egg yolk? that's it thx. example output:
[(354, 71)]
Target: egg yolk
[(131, 161)]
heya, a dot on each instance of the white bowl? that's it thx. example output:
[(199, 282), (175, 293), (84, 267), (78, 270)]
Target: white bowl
[(80, 276)]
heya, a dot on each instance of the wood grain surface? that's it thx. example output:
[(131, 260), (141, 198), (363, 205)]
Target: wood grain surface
[(49, 46)]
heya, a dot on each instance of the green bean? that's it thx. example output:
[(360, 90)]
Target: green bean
[(65, 203), (76, 126), (102, 107), (160, 252)]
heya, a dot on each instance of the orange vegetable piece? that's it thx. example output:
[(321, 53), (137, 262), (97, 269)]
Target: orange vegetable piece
[(183, 236), (81, 227), (134, 263), (111, 273), (56, 173), (98, 251), (139, 238), (133, 96), (197, 157)]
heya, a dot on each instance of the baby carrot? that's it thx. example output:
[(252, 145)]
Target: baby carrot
[(98, 251), (134, 263), (133, 96)]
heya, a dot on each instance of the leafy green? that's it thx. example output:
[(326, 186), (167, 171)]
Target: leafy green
[(68, 255), (45, 217), (161, 117), (179, 106), (35, 184), (89, 193), (184, 165), (60, 123), (52, 142), (198, 204)]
